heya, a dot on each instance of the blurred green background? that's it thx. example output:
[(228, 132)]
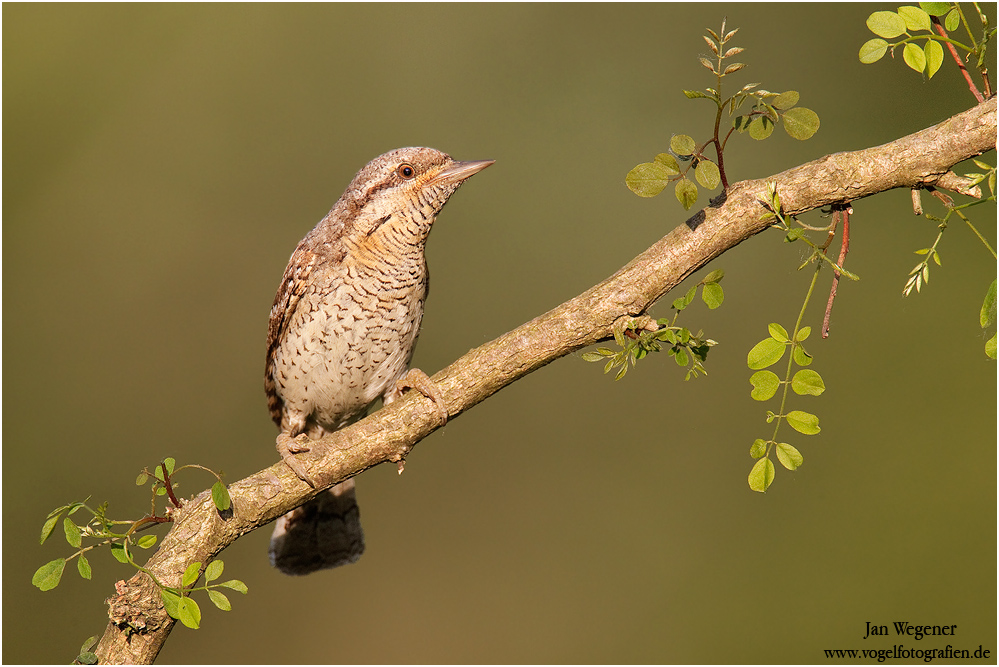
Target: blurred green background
[(162, 161)]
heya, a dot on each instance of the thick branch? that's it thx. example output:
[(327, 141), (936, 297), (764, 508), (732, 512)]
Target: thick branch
[(140, 626)]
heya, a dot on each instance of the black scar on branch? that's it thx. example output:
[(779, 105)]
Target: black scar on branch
[(696, 219)]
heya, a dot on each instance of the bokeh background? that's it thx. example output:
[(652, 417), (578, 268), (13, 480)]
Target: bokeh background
[(162, 161)]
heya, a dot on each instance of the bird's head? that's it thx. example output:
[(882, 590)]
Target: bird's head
[(403, 190)]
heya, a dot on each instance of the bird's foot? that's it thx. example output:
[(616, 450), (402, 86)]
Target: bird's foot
[(288, 446), (418, 380)]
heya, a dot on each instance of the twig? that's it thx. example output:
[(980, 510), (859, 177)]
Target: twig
[(843, 249), (957, 59)]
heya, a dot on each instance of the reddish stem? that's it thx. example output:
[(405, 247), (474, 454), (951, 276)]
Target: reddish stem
[(844, 248), (168, 486), (957, 59)]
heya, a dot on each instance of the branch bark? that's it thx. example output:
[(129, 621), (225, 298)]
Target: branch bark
[(139, 625)]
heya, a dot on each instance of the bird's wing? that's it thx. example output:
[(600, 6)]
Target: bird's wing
[(293, 285)]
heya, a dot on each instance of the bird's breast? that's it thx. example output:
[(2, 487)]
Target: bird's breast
[(352, 336)]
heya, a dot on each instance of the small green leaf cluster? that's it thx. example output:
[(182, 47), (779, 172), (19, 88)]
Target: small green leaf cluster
[(799, 122), (766, 384), (122, 537), (181, 606), (797, 233), (100, 528), (164, 485), (920, 274), (639, 337), (649, 179), (913, 25)]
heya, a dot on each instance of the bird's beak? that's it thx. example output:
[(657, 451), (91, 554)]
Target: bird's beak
[(459, 171)]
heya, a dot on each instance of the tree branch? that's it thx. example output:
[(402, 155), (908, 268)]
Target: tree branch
[(139, 624)]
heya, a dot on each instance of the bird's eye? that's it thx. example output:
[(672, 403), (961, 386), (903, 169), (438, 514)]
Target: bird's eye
[(406, 171)]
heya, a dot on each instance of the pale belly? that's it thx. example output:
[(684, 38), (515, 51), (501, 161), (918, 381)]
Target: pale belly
[(339, 360)]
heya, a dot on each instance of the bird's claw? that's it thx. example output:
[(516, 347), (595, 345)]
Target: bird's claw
[(287, 447), (418, 380)]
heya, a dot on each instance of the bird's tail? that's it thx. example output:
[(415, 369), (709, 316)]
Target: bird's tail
[(323, 533)]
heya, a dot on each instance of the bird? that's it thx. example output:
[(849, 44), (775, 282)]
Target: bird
[(342, 331)]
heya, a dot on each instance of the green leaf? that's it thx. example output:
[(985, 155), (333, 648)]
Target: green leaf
[(803, 334), (681, 144), (713, 295), (118, 551), (686, 193), (758, 449), (72, 533), (786, 100), (592, 356), (220, 496), (801, 123), (236, 585), (83, 566), (760, 128), (189, 613), (988, 313), (886, 24), (647, 179), (934, 55), (788, 456), (935, 8), (86, 657), (765, 385), (49, 526), (219, 600), (191, 573), (953, 20), (915, 18), (171, 603), (681, 357), (762, 475), (694, 94), (807, 382), (48, 576), (778, 332), (669, 163), (794, 234), (914, 57), (803, 422), (990, 346), (713, 277), (801, 357), (707, 174), (214, 570), (141, 479), (170, 463), (145, 541), (873, 50), (765, 353)]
